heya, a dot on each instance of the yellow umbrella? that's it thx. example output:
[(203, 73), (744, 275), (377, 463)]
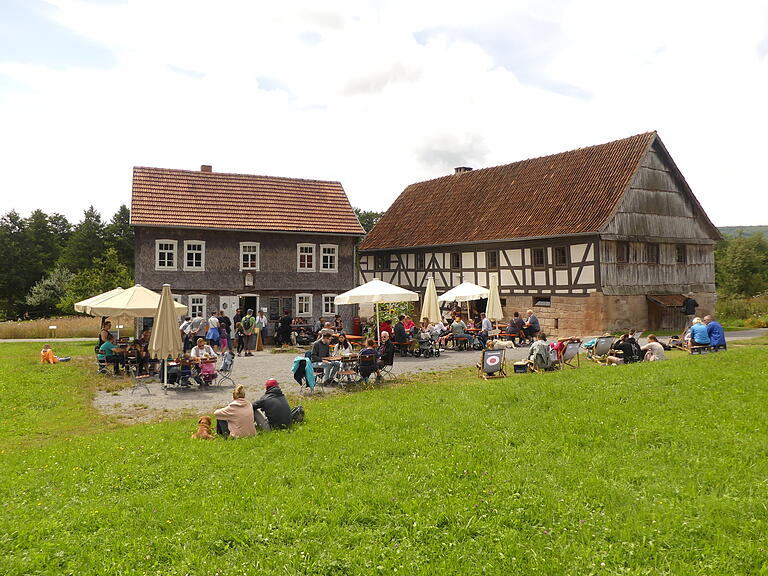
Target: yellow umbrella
[(166, 338), (494, 311), (430, 309)]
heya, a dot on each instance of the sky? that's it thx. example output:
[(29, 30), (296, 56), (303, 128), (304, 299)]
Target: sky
[(374, 94)]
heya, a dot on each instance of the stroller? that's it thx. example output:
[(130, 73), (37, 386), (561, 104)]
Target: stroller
[(427, 347), (206, 372)]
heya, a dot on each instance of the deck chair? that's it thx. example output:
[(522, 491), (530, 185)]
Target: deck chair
[(571, 351), (492, 364), (601, 349), (541, 364)]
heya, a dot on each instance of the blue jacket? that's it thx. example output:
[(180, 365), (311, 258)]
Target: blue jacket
[(699, 334), (307, 373), (716, 334)]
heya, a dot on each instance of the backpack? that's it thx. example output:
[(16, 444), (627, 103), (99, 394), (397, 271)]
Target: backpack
[(297, 415)]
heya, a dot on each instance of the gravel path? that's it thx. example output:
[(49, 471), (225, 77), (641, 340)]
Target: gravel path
[(142, 406)]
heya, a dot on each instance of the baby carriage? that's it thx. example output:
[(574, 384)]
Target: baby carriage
[(207, 373), (427, 346)]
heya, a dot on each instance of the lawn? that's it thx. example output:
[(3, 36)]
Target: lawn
[(646, 469)]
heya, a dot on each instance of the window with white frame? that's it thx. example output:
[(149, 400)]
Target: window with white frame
[(329, 258), (304, 305), (329, 304), (197, 305), (249, 255), (305, 257), (165, 254), (194, 255)]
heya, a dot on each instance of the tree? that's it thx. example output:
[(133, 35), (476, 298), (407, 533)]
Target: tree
[(107, 272), (85, 244), (43, 298), (119, 235), (368, 218), (21, 270), (741, 266)]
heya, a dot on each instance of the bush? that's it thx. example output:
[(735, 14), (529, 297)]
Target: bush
[(749, 312)]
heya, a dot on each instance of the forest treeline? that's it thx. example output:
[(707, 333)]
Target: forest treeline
[(51, 263)]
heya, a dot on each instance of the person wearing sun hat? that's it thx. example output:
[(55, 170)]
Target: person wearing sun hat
[(272, 409)]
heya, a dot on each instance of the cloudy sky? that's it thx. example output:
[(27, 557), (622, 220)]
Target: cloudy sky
[(375, 94)]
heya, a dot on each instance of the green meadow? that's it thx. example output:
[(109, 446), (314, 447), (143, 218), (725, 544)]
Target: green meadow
[(658, 468)]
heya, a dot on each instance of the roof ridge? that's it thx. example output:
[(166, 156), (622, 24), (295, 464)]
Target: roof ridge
[(648, 135), (209, 174)]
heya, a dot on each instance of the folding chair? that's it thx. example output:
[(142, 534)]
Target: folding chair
[(138, 380), (571, 351), (492, 364), (225, 371), (366, 366), (601, 349)]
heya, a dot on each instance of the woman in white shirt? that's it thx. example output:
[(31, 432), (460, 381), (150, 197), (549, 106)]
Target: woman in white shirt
[(343, 348), (653, 350)]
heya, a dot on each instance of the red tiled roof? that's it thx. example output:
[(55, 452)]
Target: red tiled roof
[(567, 193), (192, 199)]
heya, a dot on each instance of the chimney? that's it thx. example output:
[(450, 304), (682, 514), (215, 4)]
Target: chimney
[(461, 169), (209, 168)]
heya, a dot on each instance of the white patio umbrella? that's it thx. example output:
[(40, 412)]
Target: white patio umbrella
[(374, 292), (84, 306), (430, 309), (464, 292), (494, 311), (165, 340), (136, 302)]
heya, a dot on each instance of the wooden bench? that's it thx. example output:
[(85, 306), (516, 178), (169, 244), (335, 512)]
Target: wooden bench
[(706, 349)]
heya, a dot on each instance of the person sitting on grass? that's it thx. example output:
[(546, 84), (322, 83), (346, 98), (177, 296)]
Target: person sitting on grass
[(699, 334), (48, 357), (236, 419), (538, 354), (272, 410), (629, 349), (654, 351)]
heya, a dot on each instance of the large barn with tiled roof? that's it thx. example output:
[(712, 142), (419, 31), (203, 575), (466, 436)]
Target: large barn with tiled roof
[(604, 237), (238, 240)]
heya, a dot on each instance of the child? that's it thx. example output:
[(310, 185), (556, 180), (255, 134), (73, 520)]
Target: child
[(223, 340), (240, 335), (47, 356)]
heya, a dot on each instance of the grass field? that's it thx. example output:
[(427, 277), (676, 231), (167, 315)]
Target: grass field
[(645, 469), (66, 327)]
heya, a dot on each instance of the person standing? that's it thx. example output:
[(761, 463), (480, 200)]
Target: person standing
[(236, 319), (212, 335), (284, 328), (249, 330), (261, 325), (184, 328), (689, 309), (485, 328), (262, 318), (197, 329), (225, 328)]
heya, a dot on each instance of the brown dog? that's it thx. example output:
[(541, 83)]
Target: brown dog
[(203, 428)]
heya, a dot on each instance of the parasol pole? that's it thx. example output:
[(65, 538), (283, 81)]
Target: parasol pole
[(378, 328)]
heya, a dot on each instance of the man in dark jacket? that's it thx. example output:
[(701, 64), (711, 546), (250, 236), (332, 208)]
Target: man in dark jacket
[(399, 334), (689, 309), (272, 410), (320, 350)]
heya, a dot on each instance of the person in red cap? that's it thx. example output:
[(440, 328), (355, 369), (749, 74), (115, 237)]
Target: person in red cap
[(272, 409)]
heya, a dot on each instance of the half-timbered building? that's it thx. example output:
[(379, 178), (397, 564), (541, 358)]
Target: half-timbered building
[(224, 241), (604, 237)]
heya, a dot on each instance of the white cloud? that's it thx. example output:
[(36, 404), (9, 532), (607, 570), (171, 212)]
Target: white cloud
[(358, 92)]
